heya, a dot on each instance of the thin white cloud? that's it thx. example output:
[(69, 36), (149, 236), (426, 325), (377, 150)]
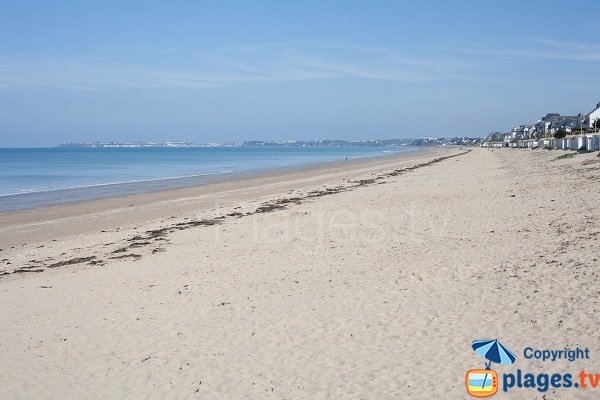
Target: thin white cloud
[(173, 68), (568, 45), (535, 48)]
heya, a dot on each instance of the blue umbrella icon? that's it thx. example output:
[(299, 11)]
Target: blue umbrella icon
[(493, 351)]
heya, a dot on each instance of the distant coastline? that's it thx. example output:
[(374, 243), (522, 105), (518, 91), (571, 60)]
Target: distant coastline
[(403, 142)]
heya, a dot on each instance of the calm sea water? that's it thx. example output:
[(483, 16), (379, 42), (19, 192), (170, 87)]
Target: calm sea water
[(31, 178)]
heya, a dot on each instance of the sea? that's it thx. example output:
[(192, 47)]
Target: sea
[(38, 177)]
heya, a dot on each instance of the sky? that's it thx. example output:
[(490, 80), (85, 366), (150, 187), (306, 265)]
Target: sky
[(203, 71)]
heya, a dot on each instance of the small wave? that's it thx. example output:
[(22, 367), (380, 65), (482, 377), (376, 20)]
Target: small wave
[(92, 185)]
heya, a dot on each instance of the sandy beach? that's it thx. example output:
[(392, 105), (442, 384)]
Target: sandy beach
[(365, 280)]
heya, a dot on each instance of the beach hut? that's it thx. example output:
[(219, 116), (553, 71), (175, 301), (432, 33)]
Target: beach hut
[(574, 143), (590, 143), (595, 143)]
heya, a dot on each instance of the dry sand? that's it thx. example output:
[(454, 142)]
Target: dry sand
[(368, 281)]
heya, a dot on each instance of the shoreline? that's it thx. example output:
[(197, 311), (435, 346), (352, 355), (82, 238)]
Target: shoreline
[(159, 234), (34, 199), (74, 218)]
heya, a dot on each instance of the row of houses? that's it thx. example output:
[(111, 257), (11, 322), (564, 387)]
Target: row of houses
[(548, 126), (589, 142)]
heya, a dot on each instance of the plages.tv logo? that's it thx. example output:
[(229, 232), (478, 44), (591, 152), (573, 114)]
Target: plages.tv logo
[(484, 382)]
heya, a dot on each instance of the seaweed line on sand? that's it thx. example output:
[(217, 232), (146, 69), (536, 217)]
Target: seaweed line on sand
[(160, 235)]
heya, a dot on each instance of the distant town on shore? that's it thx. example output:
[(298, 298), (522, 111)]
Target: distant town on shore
[(428, 141), (553, 131)]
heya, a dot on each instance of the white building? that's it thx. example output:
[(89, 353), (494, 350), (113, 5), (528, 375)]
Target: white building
[(593, 116)]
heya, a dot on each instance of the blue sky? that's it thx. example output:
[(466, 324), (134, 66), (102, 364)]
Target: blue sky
[(233, 70)]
